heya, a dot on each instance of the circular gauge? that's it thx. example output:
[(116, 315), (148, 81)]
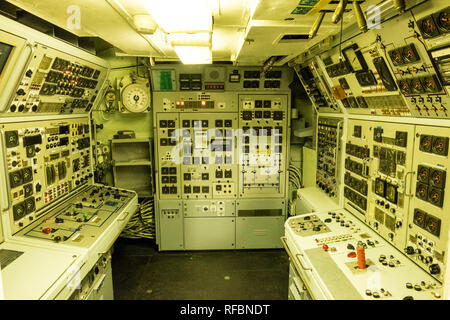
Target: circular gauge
[(27, 174), (435, 196), (417, 86), (405, 87), (29, 205), (410, 54), (136, 97), (440, 145), (18, 211), (443, 21), (422, 191), (425, 143), (423, 174), (419, 217), (436, 178), (428, 27), (431, 85), (396, 57)]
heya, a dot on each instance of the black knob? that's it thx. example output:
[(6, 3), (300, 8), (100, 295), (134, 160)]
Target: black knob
[(21, 108), (409, 250), (13, 108), (387, 206), (29, 73), (20, 92), (38, 187), (435, 269)]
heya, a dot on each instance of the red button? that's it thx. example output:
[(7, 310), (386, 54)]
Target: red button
[(325, 247), (351, 254), (47, 230)]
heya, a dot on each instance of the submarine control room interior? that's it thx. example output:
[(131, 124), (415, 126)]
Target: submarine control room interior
[(224, 150)]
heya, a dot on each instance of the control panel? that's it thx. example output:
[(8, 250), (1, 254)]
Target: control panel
[(384, 73), (329, 135), (262, 145), (316, 86), (218, 150), (44, 161), (391, 148), (395, 181), (82, 219), (56, 83), (346, 260), (428, 224), (357, 184)]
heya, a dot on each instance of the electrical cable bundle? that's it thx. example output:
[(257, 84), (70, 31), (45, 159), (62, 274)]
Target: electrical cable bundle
[(295, 176), (142, 224)]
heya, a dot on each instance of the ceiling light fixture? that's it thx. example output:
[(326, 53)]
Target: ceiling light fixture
[(181, 15), (144, 23), (194, 54)]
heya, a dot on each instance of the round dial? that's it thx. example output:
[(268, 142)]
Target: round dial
[(396, 57), (425, 143), (422, 192), (405, 87), (423, 174), (417, 86), (444, 21), (428, 27), (409, 55), (136, 98), (431, 85)]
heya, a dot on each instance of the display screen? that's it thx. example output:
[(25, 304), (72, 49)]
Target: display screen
[(5, 51)]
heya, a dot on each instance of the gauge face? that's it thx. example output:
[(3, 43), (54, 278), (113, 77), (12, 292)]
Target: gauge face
[(425, 143), (29, 205), (11, 139), (443, 21), (405, 88), (423, 174), (417, 86), (136, 98), (422, 191), (428, 27), (431, 84), (433, 225), (18, 211), (440, 146), (396, 57), (435, 197), (27, 175), (28, 189), (437, 178), (410, 54), (419, 218)]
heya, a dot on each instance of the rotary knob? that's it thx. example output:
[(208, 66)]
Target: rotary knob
[(409, 250), (435, 269)]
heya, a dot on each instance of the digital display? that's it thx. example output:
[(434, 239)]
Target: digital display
[(5, 51)]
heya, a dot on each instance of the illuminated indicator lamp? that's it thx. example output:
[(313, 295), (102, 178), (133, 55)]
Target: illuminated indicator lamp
[(178, 103), (203, 103), (182, 103)]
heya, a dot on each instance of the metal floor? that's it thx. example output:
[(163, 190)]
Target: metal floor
[(141, 272)]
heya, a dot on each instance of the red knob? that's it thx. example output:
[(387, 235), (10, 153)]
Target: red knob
[(325, 247), (47, 230)]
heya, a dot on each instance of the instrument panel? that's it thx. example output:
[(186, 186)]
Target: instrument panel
[(56, 83), (44, 161)]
